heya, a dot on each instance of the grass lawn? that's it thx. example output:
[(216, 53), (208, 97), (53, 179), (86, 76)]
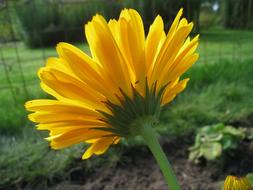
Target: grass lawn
[(220, 90)]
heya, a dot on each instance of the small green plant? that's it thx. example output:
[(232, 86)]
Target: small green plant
[(250, 178), (214, 140)]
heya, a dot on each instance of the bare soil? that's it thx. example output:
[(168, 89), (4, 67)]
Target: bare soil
[(140, 171)]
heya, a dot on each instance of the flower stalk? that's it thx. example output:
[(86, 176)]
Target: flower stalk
[(149, 136)]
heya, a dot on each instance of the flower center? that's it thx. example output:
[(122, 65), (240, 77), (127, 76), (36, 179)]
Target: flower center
[(127, 117)]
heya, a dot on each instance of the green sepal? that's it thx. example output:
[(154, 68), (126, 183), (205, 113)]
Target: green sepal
[(123, 119)]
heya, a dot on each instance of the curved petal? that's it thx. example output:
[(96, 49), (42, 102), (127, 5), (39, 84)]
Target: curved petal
[(119, 31), (75, 136), (183, 66), (105, 51), (99, 147), (153, 42), (170, 50), (170, 94), (134, 31), (57, 106), (85, 69), (51, 117), (188, 49), (66, 87)]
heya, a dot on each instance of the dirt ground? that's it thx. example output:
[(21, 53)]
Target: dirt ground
[(140, 171)]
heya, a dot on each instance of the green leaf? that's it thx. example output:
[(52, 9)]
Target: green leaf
[(218, 127), (197, 140), (227, 142), (211, 150), (194, 155), (214, 137), (192, 148), (250, 178), (235, 132)]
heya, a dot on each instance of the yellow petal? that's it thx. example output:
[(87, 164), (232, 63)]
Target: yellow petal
[(119, 30), (169, 51), (183, 66), (105, 50), (73, 137), (136, 43), (58, 64), (175, 23), (189, 47), (47, 117), (66, 125), (69, 88), (99, 147), (57, 106), (170, 94), (185, 51), (85, 68), (155, 36)]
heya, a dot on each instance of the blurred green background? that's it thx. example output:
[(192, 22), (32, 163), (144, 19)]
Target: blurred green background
[(220, 89)]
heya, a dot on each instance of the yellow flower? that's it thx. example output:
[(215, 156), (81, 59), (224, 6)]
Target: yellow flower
[(100, 98), (237, 183)]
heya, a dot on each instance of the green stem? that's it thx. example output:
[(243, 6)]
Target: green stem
[(149, 136)]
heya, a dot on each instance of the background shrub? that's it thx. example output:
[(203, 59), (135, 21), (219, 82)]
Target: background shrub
[(149, 9), (7, 32), (237, 14), (55, 21)]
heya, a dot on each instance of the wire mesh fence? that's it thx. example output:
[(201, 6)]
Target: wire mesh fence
[(25, 47)]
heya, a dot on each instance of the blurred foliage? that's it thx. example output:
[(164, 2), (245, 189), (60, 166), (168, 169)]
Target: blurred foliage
[(55, 21), (208, 18), (149, 9), (237, 13), (28, 161), (8, 30), (13, 120), (28, 158), (13, 116), (250, 178), (249, 133), (167, 9), (211, 142)]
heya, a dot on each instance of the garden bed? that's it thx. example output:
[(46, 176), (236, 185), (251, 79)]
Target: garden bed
[(133, 167), (139, 171)]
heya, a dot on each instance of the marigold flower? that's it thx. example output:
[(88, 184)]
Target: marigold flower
[(101, 98), (237, 183)]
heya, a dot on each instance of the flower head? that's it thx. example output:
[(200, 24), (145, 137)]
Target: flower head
[(128, 77), (237, 183)]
